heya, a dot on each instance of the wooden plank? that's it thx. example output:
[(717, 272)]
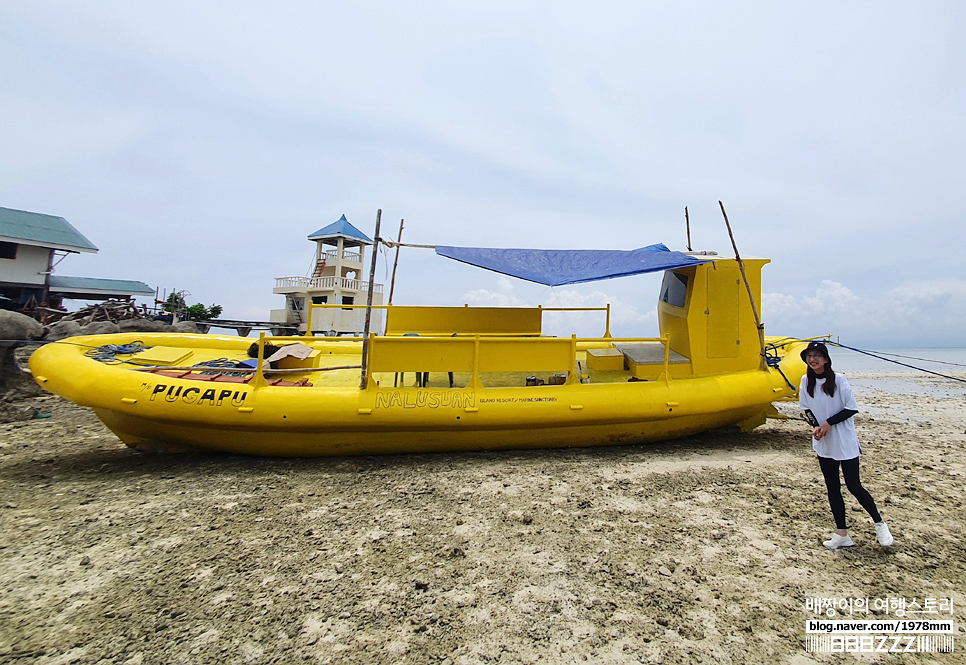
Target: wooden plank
[(649, 353)]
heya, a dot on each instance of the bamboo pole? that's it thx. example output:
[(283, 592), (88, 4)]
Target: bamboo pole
[(687, 224), (372, 278), (751, 298), (395, 263)]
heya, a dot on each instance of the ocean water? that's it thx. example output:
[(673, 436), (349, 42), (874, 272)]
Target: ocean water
[(945, 361), (911, 377)]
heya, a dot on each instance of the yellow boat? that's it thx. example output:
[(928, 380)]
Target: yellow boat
[(443, 379)]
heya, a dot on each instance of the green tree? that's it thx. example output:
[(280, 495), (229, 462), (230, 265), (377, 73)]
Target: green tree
[(174, 303), (197, 312)]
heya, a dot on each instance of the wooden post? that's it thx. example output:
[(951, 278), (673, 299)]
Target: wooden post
[(751, 297), (687, 223), (372, 278), (395, 263)]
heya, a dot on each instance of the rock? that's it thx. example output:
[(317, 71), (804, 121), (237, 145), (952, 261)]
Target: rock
[(143, 325), (14, 325), (15, 411), (100, 328), (15, 383), (63, 330), (185, 327), (21, 355)]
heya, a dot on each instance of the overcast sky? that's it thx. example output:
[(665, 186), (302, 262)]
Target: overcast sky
[(197, 144)]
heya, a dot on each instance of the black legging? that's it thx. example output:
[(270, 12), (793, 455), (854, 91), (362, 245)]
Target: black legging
[(850, 470)]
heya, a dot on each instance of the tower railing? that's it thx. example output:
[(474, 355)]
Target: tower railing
[(343, 283), (350, 257)]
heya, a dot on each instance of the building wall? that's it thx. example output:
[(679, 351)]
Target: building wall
[(29, 267), (348, 320), (340, 320)]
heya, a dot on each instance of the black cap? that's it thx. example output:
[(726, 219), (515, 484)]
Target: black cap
[(816, 346)]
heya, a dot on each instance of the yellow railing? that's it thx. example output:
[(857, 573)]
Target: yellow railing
[(585, 309), (476, 354), (466, 320)]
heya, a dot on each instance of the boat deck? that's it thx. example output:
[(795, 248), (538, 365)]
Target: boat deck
[(620, 363)]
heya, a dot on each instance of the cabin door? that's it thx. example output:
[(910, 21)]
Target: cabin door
[(724, 288)]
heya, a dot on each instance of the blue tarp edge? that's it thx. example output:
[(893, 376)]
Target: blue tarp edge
[(557, 267)]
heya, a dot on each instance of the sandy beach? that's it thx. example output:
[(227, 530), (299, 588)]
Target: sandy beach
[(701, 550)]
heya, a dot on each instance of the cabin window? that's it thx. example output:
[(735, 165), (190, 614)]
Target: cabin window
[(298, 304), (674, 290), (348, 300), (320, 300), (8, 250)]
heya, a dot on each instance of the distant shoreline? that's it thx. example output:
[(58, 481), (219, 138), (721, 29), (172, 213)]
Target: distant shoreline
[(947, 360)]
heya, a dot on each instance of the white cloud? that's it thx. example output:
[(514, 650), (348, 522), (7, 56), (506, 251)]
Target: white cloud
[(505, 296), (922, 313)]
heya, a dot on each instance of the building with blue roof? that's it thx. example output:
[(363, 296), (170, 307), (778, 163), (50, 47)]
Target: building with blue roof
[(335, 278), (32, 244), (341, 228)]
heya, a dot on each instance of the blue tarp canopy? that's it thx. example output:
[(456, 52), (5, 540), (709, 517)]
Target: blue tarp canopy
[(555, 267)]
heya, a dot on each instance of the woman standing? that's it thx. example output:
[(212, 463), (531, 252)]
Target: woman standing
[(829, 398)]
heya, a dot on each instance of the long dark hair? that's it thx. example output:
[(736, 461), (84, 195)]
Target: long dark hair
[(829, 376)]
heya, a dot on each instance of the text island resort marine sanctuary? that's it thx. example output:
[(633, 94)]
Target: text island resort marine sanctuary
[(447, 378)]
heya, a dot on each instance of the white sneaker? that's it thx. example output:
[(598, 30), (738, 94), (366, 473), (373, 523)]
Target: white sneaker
[(838, 541), (883, 534)]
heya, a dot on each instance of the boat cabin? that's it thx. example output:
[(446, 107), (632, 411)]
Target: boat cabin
[(705, 313)]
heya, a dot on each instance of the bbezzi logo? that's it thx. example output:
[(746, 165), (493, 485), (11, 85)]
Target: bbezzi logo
[(425, 399), (192, 395)]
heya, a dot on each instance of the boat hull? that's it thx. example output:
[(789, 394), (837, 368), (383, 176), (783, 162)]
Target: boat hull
[(149, 411)]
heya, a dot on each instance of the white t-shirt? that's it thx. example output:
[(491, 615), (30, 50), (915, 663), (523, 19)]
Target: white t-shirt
[(841, 442)]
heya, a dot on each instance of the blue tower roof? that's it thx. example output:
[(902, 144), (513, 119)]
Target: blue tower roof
[(343, 228)]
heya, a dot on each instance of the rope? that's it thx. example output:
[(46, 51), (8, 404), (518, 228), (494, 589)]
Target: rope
[(889, 360), (223, 363), (109, 352), (772, 359), (393, 243)]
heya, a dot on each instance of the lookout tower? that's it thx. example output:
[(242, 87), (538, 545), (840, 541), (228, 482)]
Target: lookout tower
[(340, 257)]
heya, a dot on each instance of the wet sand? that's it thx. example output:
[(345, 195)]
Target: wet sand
[(701, 550)]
